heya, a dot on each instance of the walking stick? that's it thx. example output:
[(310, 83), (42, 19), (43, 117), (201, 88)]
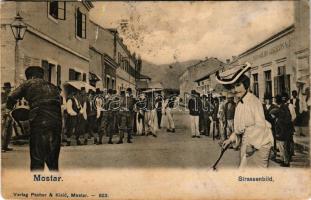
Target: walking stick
[(220, 156)]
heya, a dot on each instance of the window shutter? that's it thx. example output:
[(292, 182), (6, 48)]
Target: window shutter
[(76, 33), (72, 74), (84, 77), (45, 66), (276, 83), (62, 10), (58, 80), (83, 26), (287, 83)]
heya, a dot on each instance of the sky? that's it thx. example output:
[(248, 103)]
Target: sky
[(169, 32)]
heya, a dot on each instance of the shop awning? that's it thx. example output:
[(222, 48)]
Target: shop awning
[(79, 84), (152, 90)]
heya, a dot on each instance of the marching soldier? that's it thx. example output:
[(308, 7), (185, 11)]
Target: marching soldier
[(45, 118)]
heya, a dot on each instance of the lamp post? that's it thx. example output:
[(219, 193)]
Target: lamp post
[(18, 28)]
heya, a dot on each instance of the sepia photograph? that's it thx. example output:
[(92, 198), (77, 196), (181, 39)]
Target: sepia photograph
[(155, 99)]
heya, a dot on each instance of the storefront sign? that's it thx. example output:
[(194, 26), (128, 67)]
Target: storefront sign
[(272, 50)]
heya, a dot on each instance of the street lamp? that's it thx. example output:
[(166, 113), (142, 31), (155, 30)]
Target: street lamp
[(19, 29)]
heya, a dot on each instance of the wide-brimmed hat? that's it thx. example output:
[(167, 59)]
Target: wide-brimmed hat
[(7, 85), (34, 71), (231, 76)]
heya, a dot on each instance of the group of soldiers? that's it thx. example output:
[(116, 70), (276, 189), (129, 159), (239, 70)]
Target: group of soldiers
[(97, 114), (55, 116)]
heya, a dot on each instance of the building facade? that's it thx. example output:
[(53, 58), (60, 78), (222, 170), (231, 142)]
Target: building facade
[(187, 79), (56, 39), (126, 72), (282, 60)]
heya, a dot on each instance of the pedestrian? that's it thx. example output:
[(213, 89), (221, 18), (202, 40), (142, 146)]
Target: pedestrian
[(304, 115), (91, 115), (205, 116), (169, 105), (222, 119), (295, 101), (195, 108), (268, 106), (215, 119), (72, 110), (291, 108), (140, 114), (107, 119), (229, 111), (283, 130), (6, 119), (158, 105), (249, 121), (130, 104), (45, 118)]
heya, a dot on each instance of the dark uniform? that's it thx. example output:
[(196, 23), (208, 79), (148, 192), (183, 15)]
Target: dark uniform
[(126, 117), (45, 118), (107, 121)]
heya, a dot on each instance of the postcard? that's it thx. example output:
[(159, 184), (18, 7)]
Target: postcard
[(155, 99)]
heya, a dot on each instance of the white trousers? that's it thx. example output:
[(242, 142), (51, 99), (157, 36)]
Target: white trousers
[(170, 121), (194, 122)]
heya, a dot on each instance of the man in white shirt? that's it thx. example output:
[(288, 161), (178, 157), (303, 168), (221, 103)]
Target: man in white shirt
[(249, 122)]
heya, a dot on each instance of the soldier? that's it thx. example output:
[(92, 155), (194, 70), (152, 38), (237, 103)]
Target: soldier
[(126, 115), (45, 118), (7, 122), (91, 114), (106, 124)]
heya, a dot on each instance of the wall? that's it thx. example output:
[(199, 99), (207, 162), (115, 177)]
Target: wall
[(269, 57)]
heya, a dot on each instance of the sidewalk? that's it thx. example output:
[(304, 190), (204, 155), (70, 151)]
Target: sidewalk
[(302, 143)]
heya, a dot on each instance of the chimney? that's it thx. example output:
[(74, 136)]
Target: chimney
[(227, 61)]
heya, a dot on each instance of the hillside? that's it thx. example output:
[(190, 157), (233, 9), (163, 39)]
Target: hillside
[(167, 74)]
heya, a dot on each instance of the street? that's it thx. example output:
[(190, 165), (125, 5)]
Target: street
[(168, 150)]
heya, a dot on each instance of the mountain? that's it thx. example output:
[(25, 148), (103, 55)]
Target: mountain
[(167, 74)]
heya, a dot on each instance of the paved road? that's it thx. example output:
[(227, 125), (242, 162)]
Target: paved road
[(172, 150)]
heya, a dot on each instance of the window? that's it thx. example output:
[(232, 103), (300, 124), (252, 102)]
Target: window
[(74, 75), (108, 82), (268, 82), (112, 83), (58, 78), (84, 77), (255, 85), (57, 9), (80, 24), (119, 58), (282, 81)]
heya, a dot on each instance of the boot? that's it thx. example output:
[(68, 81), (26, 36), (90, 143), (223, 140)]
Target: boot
[(120, 141), (129, 140), (85, 141)]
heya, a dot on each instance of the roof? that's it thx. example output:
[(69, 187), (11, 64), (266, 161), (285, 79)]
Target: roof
[(272, 38), (79, 84), (141, 76), (155, 85)]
